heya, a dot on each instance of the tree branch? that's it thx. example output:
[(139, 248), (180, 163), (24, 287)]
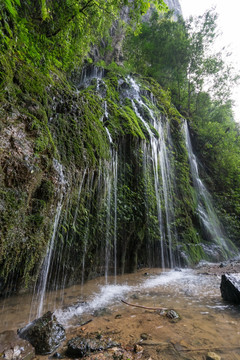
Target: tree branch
[(81, 11), (144, 307)]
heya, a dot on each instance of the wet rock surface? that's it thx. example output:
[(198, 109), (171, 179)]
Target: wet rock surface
[(45, 334), (172, 315), (80, 346), (220, 268), (12, 347), (230, 287)]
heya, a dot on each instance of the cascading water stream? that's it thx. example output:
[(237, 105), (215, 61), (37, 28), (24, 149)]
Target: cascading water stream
[(108, 223), (111, 214), (40, 291), (105, 117), (162, 175), (109, 173), (90, 73), (96, 194), (46, 263), (115, 177), (78, 199), (86, 234), (63, 257), (155, 163), (166, 184), (207, 215)]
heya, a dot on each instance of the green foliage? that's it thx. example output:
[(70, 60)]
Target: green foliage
[(59, 33), (178, 55), (217, 142)]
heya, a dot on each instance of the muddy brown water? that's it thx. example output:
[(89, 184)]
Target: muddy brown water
[(207, 323)]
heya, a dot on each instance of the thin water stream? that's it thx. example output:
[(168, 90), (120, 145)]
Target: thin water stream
[(207, 322), (159, 156), (210, 222)]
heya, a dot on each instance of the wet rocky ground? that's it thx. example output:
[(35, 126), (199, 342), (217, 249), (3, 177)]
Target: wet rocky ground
[(125, 332), (225, 267)]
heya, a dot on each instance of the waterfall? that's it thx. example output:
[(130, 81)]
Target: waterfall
[(86, 232), (208, 218), (111, 214), (88, 74), (40, 290), (115, 178), (104, 118), (108, 223), (162, 172), (46, 263)]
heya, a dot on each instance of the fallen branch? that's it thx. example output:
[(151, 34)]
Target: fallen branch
[(86, 322), (144, 307)]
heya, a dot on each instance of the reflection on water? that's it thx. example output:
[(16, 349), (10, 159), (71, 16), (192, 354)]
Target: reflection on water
[(205, 316)]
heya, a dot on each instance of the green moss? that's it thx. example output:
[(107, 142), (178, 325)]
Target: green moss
[(44, 192), (35, 221), (72, 127), (31, 81), (194, 252), (163, 99)]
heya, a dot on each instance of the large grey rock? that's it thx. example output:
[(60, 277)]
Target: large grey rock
[(14, 348), (45, 334), (79, 346), (230, 287)]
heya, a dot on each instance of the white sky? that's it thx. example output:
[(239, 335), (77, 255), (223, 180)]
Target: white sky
[(228, 24)]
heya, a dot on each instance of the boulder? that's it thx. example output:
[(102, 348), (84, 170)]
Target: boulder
[(79, 346), (45, 334), (13, 348), (230, 287)]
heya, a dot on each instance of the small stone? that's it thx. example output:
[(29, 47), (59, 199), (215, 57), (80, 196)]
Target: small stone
[(144, 336), (8, 355), (14, 348), (57, 355), (135, 296), (213, 356), (16, 351), (173, 315), (118, 316), (138, 349)]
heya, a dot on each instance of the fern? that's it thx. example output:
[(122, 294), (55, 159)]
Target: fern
[(44, 9), (11, 9)]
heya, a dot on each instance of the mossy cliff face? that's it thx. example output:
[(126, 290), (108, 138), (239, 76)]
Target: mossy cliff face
[(81, 144)]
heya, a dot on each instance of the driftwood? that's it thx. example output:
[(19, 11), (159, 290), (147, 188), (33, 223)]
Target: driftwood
[(86, 322), (144, 307)]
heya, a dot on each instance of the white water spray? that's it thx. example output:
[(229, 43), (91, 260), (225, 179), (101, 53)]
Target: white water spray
[(162, 171), (207, 215)]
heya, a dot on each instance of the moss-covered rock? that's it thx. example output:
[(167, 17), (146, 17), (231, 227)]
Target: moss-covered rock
[(103, 178)]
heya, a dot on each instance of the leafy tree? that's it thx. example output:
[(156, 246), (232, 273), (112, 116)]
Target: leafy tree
[(177, 54), (61, 32)]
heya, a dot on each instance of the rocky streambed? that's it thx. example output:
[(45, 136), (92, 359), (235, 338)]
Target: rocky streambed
[(99, 325)]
